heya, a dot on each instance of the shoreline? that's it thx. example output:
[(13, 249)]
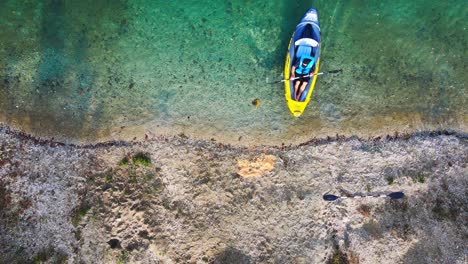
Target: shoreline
[(314, 141)]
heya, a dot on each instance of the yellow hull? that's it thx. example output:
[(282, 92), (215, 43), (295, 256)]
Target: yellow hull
[(297, 108)]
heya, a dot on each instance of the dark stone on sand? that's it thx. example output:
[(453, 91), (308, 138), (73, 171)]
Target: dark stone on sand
[(114, 243)]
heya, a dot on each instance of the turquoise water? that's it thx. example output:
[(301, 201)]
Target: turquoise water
[(92, 70)]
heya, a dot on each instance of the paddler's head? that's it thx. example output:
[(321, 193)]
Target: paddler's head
[(306, 62)]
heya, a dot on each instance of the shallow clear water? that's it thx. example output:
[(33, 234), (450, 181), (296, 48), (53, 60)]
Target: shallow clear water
[(92, 70)]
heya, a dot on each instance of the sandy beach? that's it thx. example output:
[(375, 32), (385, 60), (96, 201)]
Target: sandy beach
[(180, 200)]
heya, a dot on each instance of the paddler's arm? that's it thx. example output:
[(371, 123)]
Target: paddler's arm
[(312, 72), (292, 73)]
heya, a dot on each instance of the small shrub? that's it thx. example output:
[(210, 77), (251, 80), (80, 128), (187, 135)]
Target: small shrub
[(338, 257), (141, 159), (123, 258), (108, 178), (77, 234), (419, 178), (42, 256), (50, 255), (79, 214), (390, 180), (124, 162)]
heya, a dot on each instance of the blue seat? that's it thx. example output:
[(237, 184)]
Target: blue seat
[(303, 50)]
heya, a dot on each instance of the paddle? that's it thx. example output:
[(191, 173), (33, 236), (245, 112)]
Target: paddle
[(393, 195), (319, 73)]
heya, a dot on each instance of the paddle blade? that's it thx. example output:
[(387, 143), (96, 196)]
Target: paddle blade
[(330, 197), (396, 195)]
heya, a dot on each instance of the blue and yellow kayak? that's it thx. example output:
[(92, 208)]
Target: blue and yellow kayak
[(305, 42)]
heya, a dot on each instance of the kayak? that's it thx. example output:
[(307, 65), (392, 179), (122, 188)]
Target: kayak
[(303, 46)]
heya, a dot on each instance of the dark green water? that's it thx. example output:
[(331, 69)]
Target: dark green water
[(92, 70)]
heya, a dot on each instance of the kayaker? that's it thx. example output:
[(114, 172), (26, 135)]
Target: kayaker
[(302, 68)]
